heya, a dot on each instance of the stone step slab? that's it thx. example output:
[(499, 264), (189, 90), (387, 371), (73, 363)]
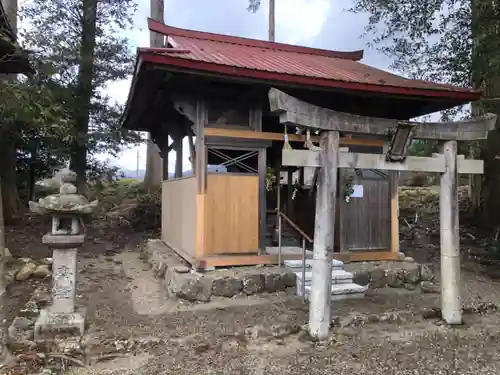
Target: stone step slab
[(338, 277), (297, 264), (341, 291)]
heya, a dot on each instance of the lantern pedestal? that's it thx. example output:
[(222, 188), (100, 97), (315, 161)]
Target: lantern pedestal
[(61, 318)]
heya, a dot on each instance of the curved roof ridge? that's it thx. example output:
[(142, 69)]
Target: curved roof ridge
[(164, 29)]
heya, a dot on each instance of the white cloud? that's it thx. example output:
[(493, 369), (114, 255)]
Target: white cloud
[(298, 20)]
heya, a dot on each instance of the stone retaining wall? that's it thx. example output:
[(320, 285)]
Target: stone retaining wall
[(181, 281), (403, 274)]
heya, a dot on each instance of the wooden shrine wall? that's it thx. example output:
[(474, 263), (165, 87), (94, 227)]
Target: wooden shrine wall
[(178, 214), (232, 214)]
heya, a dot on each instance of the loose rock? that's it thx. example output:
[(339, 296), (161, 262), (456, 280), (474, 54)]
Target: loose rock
[(410, 286), (42, 271), (159, 269), (21, 329), (434, 313), (362, 278), (47, 261), (7, 255), (26, 272), (426, 273), (428, 287), (182, 269), (275, 330)]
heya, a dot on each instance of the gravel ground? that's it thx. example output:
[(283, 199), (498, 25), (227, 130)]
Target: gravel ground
[(432, 350), (207, 339)]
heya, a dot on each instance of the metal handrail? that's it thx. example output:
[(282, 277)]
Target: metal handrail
[(305, 237), (295, 226)]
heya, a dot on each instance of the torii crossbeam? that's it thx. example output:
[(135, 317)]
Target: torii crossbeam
[(293, 111)]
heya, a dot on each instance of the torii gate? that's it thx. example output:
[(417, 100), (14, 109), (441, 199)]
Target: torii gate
[(293, 111)]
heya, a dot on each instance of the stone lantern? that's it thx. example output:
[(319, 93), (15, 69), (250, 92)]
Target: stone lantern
[(67, 209)]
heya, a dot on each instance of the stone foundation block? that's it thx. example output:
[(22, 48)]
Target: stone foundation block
[(51, 325), (226, 287), (253, 284), (190, 286)]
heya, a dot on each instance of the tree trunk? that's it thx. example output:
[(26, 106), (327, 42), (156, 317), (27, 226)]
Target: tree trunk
[(3, 327), (154, 166), (83, 92), (474, 148), (154, 163), (7, 147), (9, 199), (485, 75), (33, 166)]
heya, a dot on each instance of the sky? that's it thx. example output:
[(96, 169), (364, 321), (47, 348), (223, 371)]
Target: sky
[(314, 23)]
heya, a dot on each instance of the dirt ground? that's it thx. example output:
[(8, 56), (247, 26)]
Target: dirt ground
[(126, 309)]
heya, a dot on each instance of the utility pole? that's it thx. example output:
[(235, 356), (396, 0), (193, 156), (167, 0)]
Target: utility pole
[(154, 163), (137, 165), (271, 20)]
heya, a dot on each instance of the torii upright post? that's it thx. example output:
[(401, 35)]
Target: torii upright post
[(451, 308), (324, 221)]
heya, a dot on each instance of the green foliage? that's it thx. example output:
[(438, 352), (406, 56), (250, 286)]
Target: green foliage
[(116, 193), (448, 41), (270, 179), (422, 148), (55, 40), (147, 214), (455, 42), (254, 5), (128, 203), (39, 112)]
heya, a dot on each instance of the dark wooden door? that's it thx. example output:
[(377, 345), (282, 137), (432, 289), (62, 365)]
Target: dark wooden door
[(365, 222)]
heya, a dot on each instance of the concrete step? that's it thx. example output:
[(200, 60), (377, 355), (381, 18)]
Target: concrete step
[(341, 291), (295, 265), (338, 277)]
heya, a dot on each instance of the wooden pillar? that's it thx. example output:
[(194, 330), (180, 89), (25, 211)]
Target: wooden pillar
[(450, 248), (324, 224), (201, 148), (262, 198), (301, 176), (394, 192), (192, 152), (165, 152), (178, 157), (201, 179), (289, 189)]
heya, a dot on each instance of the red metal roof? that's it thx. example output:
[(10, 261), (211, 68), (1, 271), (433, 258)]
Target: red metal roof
[(235, 56)]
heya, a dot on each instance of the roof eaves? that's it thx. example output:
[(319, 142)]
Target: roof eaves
[(459, 94), (161, 28)]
